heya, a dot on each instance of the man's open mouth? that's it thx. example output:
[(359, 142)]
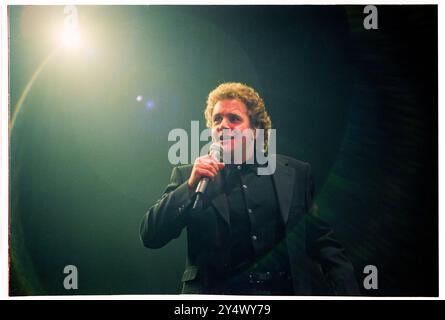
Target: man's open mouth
[(226, 137)]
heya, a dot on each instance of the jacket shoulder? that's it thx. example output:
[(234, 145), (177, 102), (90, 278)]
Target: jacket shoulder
[(184, 170), (289, 161), (184, 167)]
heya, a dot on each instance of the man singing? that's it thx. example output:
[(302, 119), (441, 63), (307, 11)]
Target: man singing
[(252, 233)]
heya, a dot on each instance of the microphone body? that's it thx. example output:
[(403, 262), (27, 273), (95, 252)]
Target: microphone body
[(215, 152), (202, 185)]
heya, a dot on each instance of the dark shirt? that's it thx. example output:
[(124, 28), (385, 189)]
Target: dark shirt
[(256, 229)]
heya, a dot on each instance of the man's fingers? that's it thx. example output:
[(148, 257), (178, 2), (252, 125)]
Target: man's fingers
[(208, 166), (211, 162), (205, 166), (207, 173)]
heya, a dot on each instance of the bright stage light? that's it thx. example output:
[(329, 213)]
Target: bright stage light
[(70, 38)]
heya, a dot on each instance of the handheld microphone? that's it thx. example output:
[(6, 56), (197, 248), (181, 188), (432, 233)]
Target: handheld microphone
[(215, 152)]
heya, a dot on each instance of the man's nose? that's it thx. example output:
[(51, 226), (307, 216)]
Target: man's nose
[(224, 124)]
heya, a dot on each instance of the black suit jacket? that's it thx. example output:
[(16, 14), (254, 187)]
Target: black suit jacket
[(309, 239)]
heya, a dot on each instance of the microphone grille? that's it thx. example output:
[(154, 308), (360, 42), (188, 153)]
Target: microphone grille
[(216, 151)]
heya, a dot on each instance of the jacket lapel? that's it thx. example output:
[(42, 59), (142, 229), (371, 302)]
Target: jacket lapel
[(220, 201), (284, 178)]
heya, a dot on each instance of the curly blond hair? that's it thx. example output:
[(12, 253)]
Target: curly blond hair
[(256, 110)]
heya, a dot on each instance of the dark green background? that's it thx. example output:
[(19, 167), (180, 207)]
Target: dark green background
[(87, 159)]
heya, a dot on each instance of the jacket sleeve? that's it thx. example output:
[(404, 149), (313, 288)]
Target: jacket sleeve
[(165, 220), (326, 250)]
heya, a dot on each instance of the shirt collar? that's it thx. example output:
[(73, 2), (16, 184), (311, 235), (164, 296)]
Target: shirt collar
[(245, 166)]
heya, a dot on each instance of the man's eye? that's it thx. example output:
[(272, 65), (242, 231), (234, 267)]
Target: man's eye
[(217, 119), (234, 118)]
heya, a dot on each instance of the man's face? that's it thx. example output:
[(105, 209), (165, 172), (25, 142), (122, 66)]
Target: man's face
[(229, 119)]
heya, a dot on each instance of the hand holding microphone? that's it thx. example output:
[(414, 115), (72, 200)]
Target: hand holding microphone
[(204, 169)]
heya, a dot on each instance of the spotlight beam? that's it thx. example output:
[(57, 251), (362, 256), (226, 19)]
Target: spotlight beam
[(28, 87)]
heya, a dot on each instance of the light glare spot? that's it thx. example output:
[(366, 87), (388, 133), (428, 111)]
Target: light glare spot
[(70, 38)]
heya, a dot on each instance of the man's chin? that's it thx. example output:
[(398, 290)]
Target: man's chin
[(229, 155), (228, 146)]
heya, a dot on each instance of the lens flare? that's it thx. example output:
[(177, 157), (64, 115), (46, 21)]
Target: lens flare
[(70, 38)]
